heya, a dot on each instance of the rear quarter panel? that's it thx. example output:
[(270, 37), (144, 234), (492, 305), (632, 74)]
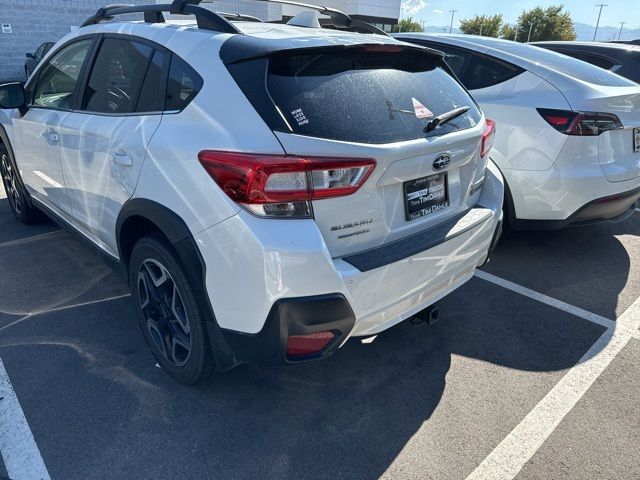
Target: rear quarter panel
[(524, 140)]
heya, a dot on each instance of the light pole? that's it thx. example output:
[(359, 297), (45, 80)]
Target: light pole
[(598, 22), (453, 12), (620, 34), (529, 36), (515, 35)]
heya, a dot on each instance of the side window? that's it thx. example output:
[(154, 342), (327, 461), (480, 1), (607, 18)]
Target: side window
[(153, 89), (456, 58), (597, 60), (39, 52), (57, 80), (117, 75), (184, 84), (484, 71)]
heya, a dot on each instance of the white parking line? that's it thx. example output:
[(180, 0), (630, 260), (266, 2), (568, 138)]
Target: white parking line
[(65, 307), (514, 287), (18, 448), (31, 239), (508, 458)]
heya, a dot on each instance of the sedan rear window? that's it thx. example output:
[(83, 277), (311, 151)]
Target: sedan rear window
[(567, 65), (364, 94)]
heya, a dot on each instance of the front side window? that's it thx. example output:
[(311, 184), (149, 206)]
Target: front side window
[(117, 76), (40, 52), (57, 81)]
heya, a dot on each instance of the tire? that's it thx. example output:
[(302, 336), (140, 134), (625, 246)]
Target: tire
[(171, 319), (16, 195)]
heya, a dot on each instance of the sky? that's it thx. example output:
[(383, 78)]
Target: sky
[(437, 12)]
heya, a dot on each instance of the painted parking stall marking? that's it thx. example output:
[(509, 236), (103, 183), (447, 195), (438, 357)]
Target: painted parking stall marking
[(573, 310), (19, 451), (517, 448)]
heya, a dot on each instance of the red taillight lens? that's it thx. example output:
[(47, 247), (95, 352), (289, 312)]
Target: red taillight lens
[(254, 179), (310, 344), (585, 124), (488, 137)]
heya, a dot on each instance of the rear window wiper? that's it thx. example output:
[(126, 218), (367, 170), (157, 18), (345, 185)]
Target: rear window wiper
[(435, 122)]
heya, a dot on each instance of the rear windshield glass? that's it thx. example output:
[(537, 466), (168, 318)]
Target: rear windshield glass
[(364, 96), (567, 65)]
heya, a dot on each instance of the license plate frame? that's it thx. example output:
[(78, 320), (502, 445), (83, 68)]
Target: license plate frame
[(416, 193), (636, 140)]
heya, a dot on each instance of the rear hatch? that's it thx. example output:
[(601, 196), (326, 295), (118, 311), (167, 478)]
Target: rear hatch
[(590, 89), (618, 148), (373, 102)]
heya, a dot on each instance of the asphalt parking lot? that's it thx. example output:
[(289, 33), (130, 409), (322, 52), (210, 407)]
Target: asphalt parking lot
[(532, 372)]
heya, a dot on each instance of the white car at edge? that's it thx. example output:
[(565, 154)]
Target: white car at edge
[(568, 133), (268, 190)]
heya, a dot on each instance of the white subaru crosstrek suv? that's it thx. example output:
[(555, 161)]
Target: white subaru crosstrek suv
[(569, 138), (269, 190)]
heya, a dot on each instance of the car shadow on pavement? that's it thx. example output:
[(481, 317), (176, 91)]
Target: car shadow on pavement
[(349, 416), (588, 267)]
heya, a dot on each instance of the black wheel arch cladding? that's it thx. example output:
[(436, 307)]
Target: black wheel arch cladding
[(174, 228)]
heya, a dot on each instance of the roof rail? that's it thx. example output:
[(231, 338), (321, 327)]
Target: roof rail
[(206, 19), (339, 19), (218, 22), (239, 16)]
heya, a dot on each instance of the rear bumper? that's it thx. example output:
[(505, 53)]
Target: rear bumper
[(573, 191), (267, 283), (612, 208)]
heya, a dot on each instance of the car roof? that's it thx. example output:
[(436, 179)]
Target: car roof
[(588, 45), (545, 63), (255, 38)]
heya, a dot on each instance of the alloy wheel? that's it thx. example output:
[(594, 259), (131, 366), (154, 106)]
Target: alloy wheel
[(11, 183), (164, 312)]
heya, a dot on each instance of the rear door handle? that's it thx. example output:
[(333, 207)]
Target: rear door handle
[(51, 136), (120, 157)]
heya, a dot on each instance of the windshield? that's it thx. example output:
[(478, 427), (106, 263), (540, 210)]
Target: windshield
[(364, 96)]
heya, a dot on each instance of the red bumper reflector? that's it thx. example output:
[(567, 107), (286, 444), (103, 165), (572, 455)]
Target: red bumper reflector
[(312, 343)]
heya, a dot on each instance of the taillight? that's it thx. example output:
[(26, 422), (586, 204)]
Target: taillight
[(283, 186), (488, 137), (587, 124), (309, 344)]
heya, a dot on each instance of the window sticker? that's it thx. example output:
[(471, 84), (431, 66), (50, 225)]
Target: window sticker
[(300, 117), (420, 110)]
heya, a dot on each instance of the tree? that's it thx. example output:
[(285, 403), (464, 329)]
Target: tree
[(407, 25), (552, 23), (485, 25)]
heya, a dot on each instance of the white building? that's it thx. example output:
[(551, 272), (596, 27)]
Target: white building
[(28, 23), (382, 13)]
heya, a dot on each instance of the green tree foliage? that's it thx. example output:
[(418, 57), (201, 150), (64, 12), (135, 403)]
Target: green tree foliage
[(485, 25), (551, 23), (407, 25)]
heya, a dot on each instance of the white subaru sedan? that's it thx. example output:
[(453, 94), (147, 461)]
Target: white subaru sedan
[(568, 133)]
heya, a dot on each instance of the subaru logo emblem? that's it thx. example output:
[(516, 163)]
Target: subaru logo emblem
[(441, 161)]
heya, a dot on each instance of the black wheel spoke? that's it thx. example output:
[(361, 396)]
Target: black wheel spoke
[(10, 184), (164, 312)]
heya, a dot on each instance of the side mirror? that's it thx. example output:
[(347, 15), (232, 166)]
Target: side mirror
[(12, 95), (29, 55)]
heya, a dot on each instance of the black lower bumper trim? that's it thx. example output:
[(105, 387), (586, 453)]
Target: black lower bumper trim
[(293, 316), (419, 242)]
